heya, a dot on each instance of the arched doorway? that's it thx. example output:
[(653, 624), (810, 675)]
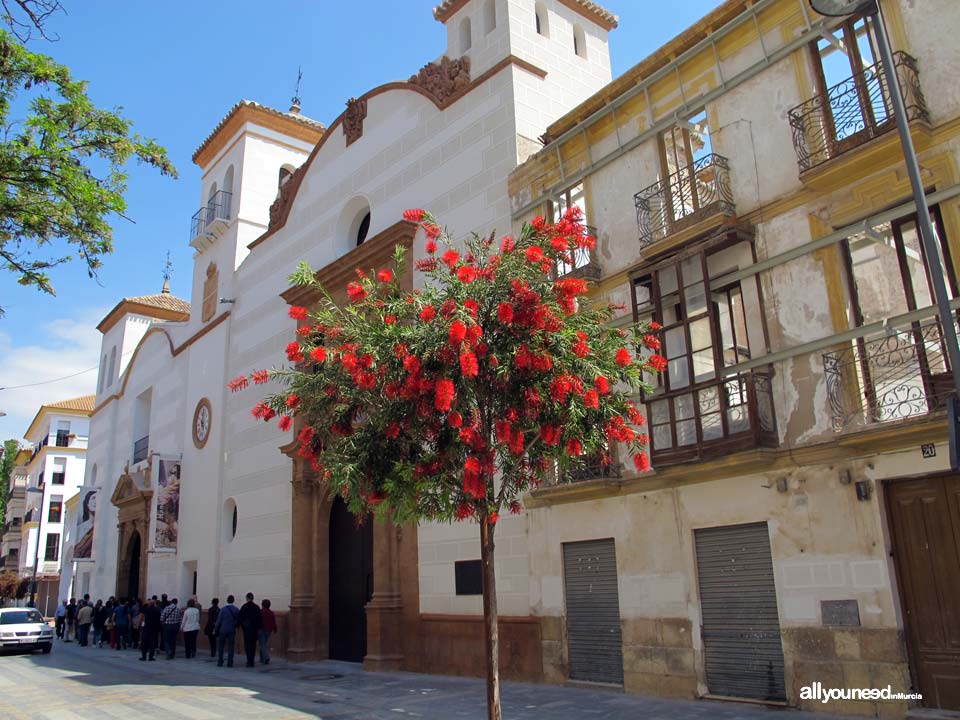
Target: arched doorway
[(133, 563), (351, 582)]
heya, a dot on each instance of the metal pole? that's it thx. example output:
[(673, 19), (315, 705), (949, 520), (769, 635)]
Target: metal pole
[(924, 225)]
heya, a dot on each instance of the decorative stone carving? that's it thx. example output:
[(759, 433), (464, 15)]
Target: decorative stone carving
[(353, 119), (444, 79), (278, 210)]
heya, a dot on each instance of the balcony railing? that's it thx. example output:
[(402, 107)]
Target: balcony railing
[(591, 468), (217, 208), (685, 198), (584, 263), (712, 419), (853, 112), (141, 448), (895, 377)]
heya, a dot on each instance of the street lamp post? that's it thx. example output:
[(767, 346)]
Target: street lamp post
[(36, 548), (871, 9)]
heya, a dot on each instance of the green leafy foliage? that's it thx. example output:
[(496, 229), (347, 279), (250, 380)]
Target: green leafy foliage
[(7, 462), (61, 167), (451, 402)]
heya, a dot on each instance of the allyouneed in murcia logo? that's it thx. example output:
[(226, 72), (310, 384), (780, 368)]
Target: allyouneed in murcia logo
[(817, 691)]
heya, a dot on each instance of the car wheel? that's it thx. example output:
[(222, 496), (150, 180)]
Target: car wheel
[(46, 647)]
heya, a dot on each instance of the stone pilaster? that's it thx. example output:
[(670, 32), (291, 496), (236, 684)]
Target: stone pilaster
[(301, 642), (385, 625)]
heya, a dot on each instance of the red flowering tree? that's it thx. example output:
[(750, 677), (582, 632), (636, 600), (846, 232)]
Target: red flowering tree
[(449, 403)]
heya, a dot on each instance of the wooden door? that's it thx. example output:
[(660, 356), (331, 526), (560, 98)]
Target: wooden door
[(351, 582), (925, 525)]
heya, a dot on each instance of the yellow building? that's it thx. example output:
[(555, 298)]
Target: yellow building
[(800, 525)]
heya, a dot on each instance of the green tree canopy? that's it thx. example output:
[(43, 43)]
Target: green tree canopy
[(61, 166), (7, 462), (448, 404)]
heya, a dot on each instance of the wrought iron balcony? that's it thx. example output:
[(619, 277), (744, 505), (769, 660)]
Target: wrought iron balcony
[(712, 419), (217, 208), (853, 112), (591, 469), (141, 448), (686, 197), (584, 263), (895, 377)]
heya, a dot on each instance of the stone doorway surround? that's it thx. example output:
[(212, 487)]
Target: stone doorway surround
[(133, 498)]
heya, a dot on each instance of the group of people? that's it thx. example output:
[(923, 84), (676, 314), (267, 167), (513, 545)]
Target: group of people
[(154, 625)]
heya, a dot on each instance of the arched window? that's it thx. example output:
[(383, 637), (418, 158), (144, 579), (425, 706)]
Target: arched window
[(103, 373), (229, 519), (212, 203), (579, 41), (466, 35), (285, 172), (489, 16), (542, 19), (363, 229), (225, 199), (113, 366)]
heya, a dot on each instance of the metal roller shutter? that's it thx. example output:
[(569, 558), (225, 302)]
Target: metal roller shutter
[(738, 599), (593, 611)]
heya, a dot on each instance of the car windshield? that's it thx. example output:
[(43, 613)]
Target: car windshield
[(20, 616)]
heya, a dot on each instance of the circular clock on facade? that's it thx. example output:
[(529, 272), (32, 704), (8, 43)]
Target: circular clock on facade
[(201, 423)]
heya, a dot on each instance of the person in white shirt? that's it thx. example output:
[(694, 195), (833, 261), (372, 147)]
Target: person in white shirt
[(60, 617), (191, 628)]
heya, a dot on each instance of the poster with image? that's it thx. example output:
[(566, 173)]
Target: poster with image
[(168, 504), (83, 548)]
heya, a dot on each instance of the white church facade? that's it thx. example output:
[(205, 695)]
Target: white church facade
[(196, 497)]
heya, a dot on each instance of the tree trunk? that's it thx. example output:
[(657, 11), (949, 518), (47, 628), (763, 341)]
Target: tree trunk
[(490, 618)]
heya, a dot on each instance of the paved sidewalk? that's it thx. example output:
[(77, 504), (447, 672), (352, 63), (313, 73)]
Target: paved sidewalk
[(74, 682)]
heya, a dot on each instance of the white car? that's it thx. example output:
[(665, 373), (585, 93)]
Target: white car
[(24, 628)]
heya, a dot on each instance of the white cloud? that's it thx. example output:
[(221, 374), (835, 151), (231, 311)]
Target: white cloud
[(57, 349)]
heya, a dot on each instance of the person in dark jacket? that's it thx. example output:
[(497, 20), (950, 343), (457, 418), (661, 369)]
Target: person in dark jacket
[(150, 630), (251, 620), (226, 631), (212, 614)]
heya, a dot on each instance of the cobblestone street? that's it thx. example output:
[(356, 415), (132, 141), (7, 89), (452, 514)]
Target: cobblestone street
[(75, 682)]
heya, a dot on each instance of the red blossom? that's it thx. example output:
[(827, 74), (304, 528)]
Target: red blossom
[(426, 264), (450, 258), (473, 484), (293, 352), (458, 331), (641, 462), (413, 214), (432, 230), (517, 443), (538, 223), (385, 276), (466, 274), (318, 354), (560, 388), (515, 507), (260, 377), (651, 341), (393, 431), (534, 254), (285, 422), (463, 511), (657, 362), (304, 330), (297, 312), (574, 447), (581, 349), (238, 383), (601, 384), (443, 394), (306, 434), (655, 326), (507, 244), (471, 306), (550, 434), (356, 292), (468, 365), (430, 246), (591, 399), (505, 313), (624, 358), (390, 319), (411, 363), (492, 518), (503, 430), (454, 419), (428, 313), (559, 244), (293, 401)]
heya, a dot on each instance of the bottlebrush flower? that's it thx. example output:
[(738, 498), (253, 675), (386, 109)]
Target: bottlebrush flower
[(466, 274), (393, 431), (285, 422), (458, 331), (591, 399), (455, 419), (471, 306), (515, 507), (443, 394), (389, 319), (559, 244), (507, 244), (534, 254), (384, 276), (560, 388), (297, 312), (304, 330), (657, 362), (450, 258), (655, 326), (411, 363), (550, 434), (518, 443), (306, 434), (538, 223), (318, 354), (624, 358), (473, 484), (356, 292), (641, 462), (505, 313), (259, 410), (581, 349), (238, 383), (468, 365), (260, 377), (294, 353), (432, 230), (293, 401), (413, 214), (542, 363), (428, 313), (651, 341), (503, 430), (463, 511), (601, 384), (430, 247), (574, 447), (492, 518)]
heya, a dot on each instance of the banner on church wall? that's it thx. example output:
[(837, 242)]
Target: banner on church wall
[(86, 513), (168, 505)]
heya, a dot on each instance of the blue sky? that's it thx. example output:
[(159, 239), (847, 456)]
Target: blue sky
[(176, 68)]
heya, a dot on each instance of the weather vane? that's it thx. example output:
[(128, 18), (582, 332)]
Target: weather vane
[(295, 107), (167, 270)]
